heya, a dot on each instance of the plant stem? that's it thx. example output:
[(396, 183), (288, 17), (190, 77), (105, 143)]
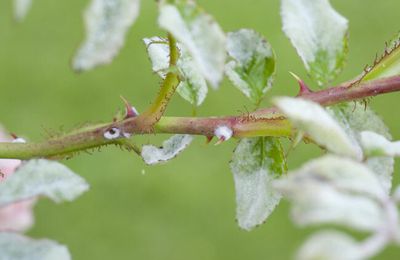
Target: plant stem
[(153, 114), (263, 122)]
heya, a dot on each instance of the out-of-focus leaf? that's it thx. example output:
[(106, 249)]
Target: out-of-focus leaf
[(42, 178), (319, 125), (335, 190), (355, 119), (193, 86), (21, 9), (198, 33), (377, 145), (329, 245), (319, 35), (106, 22), (252, 64), (17, 247), (255, 164), (169, 149)]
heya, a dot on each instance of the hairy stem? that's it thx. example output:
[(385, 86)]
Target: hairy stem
[(263, 122), (153, 114)]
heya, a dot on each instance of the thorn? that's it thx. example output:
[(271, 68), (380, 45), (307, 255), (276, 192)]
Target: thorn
[(130, 111), (209, 138), (14, 136), (220, 141), (304, 89)]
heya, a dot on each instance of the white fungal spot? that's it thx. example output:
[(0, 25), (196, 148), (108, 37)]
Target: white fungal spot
[(223, 133), (113, 133), (19, 140)]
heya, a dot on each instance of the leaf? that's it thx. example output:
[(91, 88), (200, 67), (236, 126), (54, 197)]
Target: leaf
[(388, 65), (377, 145), (319, 35), (170, 149), (18, 247), (21, 9), (329, 245), (106, 22), (335, 190), (252, 64), (42, 178), (355, 119), (198, 33), (255, 164), (193, 86), (319, 125)]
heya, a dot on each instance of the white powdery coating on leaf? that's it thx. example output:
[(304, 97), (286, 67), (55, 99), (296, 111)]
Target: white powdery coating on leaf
[(249, 50), (107, 22), (329, 245), (15, 246), (200, 34), (193, 86), (322, 128), (313, 27), (42, 178), (357, 119), (335, 190), (170, 149), (21, 9), (254, 171), (223, 133), (378, 145)]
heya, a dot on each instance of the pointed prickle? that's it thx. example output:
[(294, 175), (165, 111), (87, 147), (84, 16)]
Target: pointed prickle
[(220, 141), (209, 138), (130, 111), (304, 89), (17, 139)]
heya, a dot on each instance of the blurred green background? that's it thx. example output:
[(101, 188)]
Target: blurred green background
[(184, 209)]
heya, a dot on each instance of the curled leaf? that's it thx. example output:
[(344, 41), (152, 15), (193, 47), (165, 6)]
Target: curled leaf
[(319, 125), (329, 245), (170, 149), (255, 164), (198, 33), (193, 86), (42, 178), (106, 22), (252, 64), (377, 145), (335, 190), (319, 34)]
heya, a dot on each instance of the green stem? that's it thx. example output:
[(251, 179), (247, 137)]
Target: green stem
[(167, 90), (263, 122)]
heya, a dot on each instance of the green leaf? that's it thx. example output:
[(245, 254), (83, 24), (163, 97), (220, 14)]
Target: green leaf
[(17, 247), (335, 190), (255, 164), (319, 125), (319, 35), (21, 9), (198, 33), (252, 64), (388, 65), (106, 22), (42, 178), (330, 245), (193, 86), (356, 119), (169, 149)]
